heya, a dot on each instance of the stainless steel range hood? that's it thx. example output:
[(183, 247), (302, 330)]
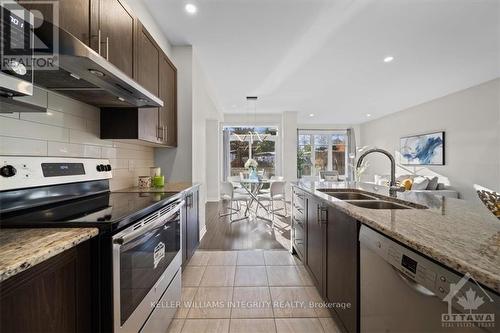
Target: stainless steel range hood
[(82, 74)]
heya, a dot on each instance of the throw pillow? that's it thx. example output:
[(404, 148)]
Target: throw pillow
[(433, 184), (420, 183), (407, 183)]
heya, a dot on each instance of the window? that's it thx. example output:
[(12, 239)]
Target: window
[(258, 143), (321, 150)]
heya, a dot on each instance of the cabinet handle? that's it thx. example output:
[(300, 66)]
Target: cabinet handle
[(99, 41), (158, 135), (164, 133), (107, 48), (322, 215), (161, 129)]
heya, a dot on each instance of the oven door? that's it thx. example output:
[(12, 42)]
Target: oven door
[(146, 257)]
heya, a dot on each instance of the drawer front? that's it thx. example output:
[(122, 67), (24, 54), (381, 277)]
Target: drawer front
[(299, 199), (298, 213), (299, 238)]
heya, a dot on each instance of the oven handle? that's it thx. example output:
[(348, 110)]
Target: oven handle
[(124, 239)]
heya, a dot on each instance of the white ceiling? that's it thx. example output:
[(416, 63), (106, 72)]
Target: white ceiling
[(326, 56)]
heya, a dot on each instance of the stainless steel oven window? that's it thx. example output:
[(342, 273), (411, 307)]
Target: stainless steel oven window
[(140, 258)]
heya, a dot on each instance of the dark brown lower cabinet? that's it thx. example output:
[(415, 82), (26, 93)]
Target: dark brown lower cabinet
[(53, 296), (342, 258), (315, 253)]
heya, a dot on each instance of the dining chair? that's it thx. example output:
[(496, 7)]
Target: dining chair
[(266, 188), (329, 175), (229, 194), (310, 178), (276, 193), (236, 184)]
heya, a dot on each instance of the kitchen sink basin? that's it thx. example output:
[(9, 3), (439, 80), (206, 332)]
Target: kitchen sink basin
[(351, 196), (377, 204)]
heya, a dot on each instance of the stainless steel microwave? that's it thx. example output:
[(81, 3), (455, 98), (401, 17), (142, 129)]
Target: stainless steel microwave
[(16, 50)]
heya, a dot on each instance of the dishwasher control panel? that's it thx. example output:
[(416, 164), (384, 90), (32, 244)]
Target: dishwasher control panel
[(420, 270)]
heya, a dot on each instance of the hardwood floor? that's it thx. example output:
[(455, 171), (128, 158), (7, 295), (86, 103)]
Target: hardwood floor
[(246, 234)]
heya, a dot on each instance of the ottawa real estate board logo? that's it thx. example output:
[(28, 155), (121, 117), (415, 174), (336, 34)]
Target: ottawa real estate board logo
[(470, 300)]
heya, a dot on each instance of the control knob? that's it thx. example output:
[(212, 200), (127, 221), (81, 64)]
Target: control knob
[(101, 168), (8, 171)]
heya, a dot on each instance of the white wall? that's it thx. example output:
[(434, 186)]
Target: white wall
[(213, 160), (289, 148), (204, 110), (471, 120), (71, 129)]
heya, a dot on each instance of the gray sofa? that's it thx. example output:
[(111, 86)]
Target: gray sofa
[(441, 189)]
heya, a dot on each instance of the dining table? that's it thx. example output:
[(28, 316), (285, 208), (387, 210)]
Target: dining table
[(253, 186)]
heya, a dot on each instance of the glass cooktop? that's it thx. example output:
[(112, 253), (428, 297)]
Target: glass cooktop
[(103, 210)]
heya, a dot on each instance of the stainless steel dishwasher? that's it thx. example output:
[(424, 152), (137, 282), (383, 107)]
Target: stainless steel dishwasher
[(402, 291)]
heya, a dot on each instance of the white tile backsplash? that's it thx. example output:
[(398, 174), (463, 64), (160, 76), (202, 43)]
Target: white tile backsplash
[(72, 130), (29, 130), (73, 150), (56, 118), (18, 146)]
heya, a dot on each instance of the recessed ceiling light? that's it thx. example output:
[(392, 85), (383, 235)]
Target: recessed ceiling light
[(388, 59), (191, 8), (311, 114), (368, 115)]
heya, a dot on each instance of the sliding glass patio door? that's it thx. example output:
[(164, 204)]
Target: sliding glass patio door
[(242, 143), (321, 150)]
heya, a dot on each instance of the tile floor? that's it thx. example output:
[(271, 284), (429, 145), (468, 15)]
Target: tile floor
[(249, 291)]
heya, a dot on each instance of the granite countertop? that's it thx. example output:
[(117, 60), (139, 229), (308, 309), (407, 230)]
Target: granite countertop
[(171, 187), (459, 234), (21, 249)]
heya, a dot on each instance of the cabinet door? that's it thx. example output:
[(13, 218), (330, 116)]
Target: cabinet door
[(117, 35), (342, 265), (168, 94), (73, 15), (315, 242), (53, 296), (147, 75)]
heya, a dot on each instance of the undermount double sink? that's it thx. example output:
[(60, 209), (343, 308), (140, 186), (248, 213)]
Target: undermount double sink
[(364, 200)]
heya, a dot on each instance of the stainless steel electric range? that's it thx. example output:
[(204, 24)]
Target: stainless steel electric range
[(137, 254)]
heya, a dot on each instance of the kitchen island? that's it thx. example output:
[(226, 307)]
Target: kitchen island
[(461, 236), (45, 280), (21, 249)]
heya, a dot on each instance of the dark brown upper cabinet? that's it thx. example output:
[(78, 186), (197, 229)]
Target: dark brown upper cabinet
[(167, 116), (117, 25), (147, 60), (155, 72), (74, 16)]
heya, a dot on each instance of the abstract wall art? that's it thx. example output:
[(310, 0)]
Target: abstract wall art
[(425, 149)]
